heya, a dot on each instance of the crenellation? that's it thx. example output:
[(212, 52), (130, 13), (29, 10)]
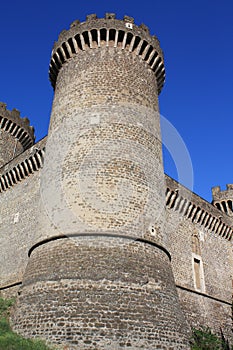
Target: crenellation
[(77, 31), (223, 200), (144, 28), (100, 247), (90, 18), (16, 134), (128, 19), (110, 15), (74, 23), (3, 106)]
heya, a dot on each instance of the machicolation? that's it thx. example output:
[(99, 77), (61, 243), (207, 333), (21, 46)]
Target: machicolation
[(101, 249)]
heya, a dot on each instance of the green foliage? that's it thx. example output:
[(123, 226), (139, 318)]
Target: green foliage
[(205, 339), (4, 326), (10, 340), (5, 305)]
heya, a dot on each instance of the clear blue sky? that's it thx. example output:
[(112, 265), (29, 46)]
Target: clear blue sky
[(197, 40)]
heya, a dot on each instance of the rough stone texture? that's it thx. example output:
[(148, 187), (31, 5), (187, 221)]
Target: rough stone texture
[(16, 134), (10, 147), (10, 291), (223, 199), (203, 311), (109, 32), (210, 304), (103, 174), (110, 284), (21, 235), (22, 217), (105, 109), (116, 77), (97, 294)]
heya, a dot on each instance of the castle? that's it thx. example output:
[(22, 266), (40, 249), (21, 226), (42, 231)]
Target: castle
[(99, 247)]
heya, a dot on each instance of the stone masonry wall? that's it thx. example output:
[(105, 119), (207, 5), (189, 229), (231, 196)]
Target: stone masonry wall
[(195, 252), (94, 220), (105, 76), (22, 216), (108, 169), (10, 147), (215, 253), (16, 134), (100, 293), (19, 226), (103, 177)]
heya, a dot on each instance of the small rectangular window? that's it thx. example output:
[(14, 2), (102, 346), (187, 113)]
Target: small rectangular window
[(197, 273)]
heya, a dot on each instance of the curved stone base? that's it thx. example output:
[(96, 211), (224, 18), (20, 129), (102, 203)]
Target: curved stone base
[(101, 293)]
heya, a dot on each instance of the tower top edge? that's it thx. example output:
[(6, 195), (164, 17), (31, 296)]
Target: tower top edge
[(109, 22), (96, 33), (219, 194), (15, 118)]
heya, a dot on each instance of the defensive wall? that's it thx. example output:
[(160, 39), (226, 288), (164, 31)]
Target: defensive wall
[(195, 228), (84, 275)]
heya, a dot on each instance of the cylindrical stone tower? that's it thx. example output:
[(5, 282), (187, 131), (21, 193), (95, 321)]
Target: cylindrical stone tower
[(16, 134), (103, 280)]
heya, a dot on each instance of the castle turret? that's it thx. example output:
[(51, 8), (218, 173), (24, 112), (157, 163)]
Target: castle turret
[(223, 200), (104, 281), (16, 135)]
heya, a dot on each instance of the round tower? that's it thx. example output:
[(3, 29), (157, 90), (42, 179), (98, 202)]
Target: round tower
[(223, 200), (104, 280), (16, 135)]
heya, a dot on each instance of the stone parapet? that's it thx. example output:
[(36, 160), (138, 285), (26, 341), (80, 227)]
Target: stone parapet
[(20, 128), (108, 32), (16, 134), (223, 200), (22, 166), (196, 209)]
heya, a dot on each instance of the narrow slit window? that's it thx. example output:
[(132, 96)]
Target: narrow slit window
[(197, 273)]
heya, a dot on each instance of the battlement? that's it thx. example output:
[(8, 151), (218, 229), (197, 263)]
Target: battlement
[(15, 173), (223, 200), (87, 212), (197, 210), (11, 122), (95, 33)]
